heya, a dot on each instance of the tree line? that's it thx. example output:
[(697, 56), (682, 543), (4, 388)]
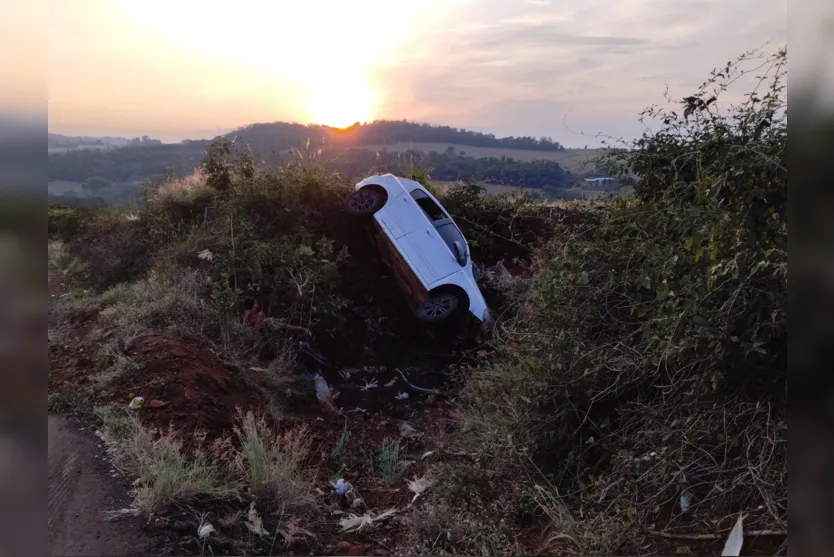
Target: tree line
[(283, 135)]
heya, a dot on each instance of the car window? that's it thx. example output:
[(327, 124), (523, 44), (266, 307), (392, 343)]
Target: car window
[(432, 209), (450, 235)]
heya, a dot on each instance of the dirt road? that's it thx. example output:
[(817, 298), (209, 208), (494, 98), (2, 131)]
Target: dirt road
[(81, 486)]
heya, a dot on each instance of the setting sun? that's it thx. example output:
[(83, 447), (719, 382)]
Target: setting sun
[(341, 104)]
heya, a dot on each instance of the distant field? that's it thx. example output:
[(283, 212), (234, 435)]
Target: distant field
[(572, 160), (61, 187)]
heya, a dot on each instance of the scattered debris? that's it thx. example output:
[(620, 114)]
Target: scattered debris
[(254, 522), (736, 538), (372, 384), (685, 501), (416, 388), (357, 523), (323, 393), (353, 499), (205, 530), (426, 455), (417, 486), (136, 403), (402, 396), (157, 403), (205, 255), (409, 432), (391, 382), (341, 486), (121, 513)]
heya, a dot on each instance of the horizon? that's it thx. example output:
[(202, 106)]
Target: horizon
[(568, 70)]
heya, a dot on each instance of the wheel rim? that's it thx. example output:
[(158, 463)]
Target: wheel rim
[(438, 307), (362, 201)]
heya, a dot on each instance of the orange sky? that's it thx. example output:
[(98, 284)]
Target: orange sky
[(178, 69)]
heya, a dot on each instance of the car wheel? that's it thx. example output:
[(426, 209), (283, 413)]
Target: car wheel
[(438, 307), (364, 202)]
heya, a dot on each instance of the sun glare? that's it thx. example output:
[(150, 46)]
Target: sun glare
[(340, 105), (316, 56)]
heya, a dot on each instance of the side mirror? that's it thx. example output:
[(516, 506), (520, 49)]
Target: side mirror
[(459, 253)]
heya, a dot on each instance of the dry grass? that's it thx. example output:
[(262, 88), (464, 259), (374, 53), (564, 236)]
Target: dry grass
[(166, 475), (184, 190), (273, 464), (160, 300), (114, 363)]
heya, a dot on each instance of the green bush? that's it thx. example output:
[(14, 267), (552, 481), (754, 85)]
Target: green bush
[(649, 357)]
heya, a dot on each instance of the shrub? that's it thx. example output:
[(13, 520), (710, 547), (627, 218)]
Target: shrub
[(165, 474), (111, 248), (648, 359), (273, 463)]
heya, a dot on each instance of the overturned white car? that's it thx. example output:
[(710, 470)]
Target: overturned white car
[(423, 246)]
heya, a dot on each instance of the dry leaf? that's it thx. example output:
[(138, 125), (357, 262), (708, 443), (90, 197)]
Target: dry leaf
[(205, 530), (417, 486), (357, 523), (354, 523), (409, 432)]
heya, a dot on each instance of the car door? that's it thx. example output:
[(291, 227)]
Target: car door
[(430, 249), (402, 216)]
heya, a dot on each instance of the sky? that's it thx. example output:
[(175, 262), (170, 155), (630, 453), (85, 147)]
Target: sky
[(574, 70)]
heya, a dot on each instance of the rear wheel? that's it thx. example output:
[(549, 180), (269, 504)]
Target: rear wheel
[(438, 307), (364, 202)]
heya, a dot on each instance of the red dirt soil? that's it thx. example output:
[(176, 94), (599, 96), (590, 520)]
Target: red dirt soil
[(202, 393)]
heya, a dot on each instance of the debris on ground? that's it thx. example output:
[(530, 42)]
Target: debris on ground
[(357, 523), (136, 403), (417, 486), (205, 530), (340, 486), (254, 523)]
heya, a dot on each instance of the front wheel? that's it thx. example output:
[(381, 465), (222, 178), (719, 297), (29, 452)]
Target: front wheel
[(364, 202), (438, 307)]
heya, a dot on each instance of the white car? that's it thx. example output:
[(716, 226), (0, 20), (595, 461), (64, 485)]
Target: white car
[(424, 247)]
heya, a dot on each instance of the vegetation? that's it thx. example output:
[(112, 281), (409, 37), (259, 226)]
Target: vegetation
[(281, 135), (117, 175), (638, 381), (645, 374)]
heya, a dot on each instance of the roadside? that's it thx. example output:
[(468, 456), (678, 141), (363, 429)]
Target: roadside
[(82, 485), (82, 488)]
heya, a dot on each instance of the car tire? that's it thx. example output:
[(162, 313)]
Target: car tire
[(439, 307), (364, 202)]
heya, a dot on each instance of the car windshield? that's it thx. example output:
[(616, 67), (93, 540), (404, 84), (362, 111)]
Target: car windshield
[(450, 235)]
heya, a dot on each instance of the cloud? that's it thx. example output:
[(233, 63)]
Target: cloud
[(513, 65)]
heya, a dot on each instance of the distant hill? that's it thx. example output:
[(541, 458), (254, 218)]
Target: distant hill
[(278, 136), (59, 143), (116, 168)]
